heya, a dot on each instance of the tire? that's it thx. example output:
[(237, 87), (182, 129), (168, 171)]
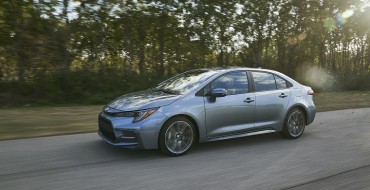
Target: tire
[(177, 136), (294, 124)]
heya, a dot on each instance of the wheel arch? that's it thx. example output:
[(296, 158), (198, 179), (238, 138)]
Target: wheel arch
[(191, 119), (302, 108)]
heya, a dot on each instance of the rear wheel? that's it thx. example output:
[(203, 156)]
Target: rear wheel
[(294, 124), (177, 136)]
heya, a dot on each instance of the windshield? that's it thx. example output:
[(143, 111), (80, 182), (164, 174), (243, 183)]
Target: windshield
[(185, 82)]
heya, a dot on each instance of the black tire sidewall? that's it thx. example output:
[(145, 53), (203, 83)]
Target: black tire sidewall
[(285, 131), (167, 124)]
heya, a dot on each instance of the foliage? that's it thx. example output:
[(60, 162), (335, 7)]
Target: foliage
[(55, 51)]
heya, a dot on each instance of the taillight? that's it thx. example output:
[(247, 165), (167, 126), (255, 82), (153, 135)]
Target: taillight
[(310, 92)]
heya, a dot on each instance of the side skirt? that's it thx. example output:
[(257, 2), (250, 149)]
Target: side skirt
[(241, 135)]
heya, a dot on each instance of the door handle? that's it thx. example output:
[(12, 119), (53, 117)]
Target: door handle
[(282, 95), (249, 100)]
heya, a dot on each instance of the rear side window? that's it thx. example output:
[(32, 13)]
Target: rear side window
[(267, 81), (280, 83), (264, 81)]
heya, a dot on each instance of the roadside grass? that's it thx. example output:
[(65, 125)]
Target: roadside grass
[(328, 101), (27, 122)]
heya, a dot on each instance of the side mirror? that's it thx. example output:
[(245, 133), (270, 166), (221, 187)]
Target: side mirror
[(218, 92)]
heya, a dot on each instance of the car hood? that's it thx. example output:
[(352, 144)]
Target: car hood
[(142, 100)]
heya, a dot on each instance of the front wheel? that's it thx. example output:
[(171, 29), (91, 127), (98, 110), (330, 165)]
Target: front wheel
[(294, 124), (177, 136)]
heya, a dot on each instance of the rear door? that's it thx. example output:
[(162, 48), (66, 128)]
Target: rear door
[(272, 97)]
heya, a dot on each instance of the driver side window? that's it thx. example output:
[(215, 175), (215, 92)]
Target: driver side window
[(233, 83)]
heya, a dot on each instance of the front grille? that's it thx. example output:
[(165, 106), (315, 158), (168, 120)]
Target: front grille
[(105, 127)]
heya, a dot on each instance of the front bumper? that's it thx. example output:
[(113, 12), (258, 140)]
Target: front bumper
[(131, 145), (121, 132)]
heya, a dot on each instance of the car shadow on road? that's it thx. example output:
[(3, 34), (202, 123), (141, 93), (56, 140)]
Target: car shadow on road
[(265, 141), (107, 150), (237, 143)]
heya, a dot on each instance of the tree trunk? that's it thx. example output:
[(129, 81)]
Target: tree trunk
[(20, 40), (141, 54), (259, 49), (161, 40), (321, 48)]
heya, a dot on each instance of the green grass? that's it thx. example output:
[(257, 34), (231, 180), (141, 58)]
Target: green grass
[(26, 122), (328, 101)]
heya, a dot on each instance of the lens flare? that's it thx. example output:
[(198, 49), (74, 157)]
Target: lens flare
[(295, 39), (348, 13), (302, 36), (342, 18)]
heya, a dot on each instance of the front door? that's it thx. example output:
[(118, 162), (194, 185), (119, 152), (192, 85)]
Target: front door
[(233, 113)]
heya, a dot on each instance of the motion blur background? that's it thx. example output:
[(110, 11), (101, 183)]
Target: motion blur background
[(90, 51)]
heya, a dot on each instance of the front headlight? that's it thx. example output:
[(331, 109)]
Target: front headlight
[(137, 115), (142, 114)]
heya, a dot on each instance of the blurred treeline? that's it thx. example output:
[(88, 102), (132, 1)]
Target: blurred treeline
[(89, 51)]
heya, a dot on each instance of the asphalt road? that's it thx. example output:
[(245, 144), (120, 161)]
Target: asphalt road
[(333, 153)]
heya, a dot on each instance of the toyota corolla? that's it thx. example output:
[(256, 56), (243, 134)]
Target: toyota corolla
[(208, 105)]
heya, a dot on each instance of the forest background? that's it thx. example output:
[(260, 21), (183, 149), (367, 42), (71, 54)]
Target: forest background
[(90, 51)]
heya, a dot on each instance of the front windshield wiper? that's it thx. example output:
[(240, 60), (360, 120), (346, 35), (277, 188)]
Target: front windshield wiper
[(166, 90)]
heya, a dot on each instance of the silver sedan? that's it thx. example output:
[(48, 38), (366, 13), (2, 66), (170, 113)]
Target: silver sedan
[(208, 105)]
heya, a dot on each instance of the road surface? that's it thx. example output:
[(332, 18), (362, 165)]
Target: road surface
[(333, 153)]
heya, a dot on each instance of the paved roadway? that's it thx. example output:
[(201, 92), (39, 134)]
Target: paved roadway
[(333, 153)]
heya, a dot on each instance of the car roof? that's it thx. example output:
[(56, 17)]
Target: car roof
[(230, 69)]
